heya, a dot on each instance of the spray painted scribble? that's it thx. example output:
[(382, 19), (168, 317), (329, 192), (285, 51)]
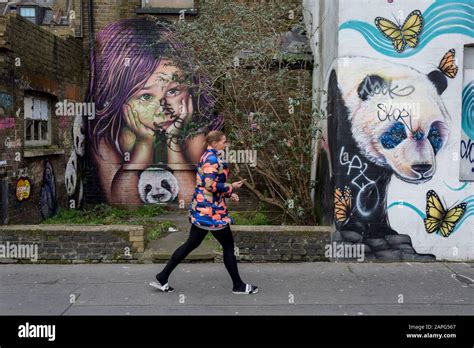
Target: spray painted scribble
[(467, 136), (7, 123)]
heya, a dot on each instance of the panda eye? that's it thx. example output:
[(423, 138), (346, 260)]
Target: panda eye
[(435, 138), (166, 185), (148, 188), (394, 136)]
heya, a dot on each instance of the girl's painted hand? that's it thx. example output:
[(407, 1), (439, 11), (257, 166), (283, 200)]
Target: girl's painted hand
[(142, 132), (184, 115), (234, 197)]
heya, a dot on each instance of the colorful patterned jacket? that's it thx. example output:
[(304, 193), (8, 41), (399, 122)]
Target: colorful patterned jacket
[(208, 207)]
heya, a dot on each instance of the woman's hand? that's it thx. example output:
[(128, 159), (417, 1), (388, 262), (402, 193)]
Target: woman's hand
[(143, 133), (238, 184), (234, 197)]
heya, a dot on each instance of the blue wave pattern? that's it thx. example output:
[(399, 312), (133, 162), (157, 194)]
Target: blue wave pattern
[(469, 211), (460, 188), (468, 109), (442, 17)]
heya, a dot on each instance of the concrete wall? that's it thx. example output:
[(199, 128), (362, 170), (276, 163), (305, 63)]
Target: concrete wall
[(393, 140)]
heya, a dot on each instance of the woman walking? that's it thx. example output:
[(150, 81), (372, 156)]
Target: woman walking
[(208, 212)]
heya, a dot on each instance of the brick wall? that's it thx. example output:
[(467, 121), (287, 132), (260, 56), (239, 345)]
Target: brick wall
[(37, 62), (72, 244), (281, 243)]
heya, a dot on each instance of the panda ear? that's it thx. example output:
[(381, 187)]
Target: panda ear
[(370, 85), (439, 80)]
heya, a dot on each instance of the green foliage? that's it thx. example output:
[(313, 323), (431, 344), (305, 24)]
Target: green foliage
[(150, 210), (250, 218), (157, 230), (103, 214), (267, 105)]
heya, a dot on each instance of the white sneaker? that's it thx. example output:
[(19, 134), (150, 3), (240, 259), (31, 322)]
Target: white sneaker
[(164, 288), (249, 290)]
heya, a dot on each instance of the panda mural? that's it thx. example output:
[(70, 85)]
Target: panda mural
[(157, 185), (385, 120), (75, 167)]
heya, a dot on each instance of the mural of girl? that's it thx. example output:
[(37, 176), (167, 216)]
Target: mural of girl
[(152, 113)]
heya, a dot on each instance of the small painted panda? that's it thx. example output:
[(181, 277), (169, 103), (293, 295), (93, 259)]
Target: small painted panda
[(384, 119), (157, 186)]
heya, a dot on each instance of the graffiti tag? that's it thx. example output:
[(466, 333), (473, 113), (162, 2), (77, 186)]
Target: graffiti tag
[(366, 187), (12, 143), (23, 83), (398, 112), (8, 122), (6, 99), (373, 87), (467, 152)]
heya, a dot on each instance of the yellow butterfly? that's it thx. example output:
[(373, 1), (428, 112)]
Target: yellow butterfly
[(401, 35), (440, 219), (447, 65), (342, 204)]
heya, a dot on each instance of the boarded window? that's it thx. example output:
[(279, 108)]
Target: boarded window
[(37, 121)]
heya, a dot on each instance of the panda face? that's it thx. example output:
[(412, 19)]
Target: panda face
[(161, 192), (71, 174), (402, 132), (78, 135), (411, 154), (157, 186)]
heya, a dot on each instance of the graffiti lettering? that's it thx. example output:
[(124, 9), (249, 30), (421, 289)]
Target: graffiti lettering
[(366, 187), (397, 112), (373, 87), (12, 143), (21, 172), (23, 83), (8, 122), (467, 150), (6, 99)]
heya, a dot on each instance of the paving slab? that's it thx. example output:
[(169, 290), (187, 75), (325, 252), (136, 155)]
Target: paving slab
[(319, 288)]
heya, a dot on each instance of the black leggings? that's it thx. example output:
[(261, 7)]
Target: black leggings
[(196, 236)]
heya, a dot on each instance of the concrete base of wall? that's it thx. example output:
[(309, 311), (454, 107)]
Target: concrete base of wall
[(71, 243)]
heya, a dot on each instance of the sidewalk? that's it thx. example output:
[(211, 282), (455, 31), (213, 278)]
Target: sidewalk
[(205, 289)]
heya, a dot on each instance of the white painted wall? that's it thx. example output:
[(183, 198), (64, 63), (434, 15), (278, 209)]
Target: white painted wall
[(321, 20), (446, 182)]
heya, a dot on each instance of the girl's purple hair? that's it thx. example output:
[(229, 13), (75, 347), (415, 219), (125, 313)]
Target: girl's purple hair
[(125, 56)]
